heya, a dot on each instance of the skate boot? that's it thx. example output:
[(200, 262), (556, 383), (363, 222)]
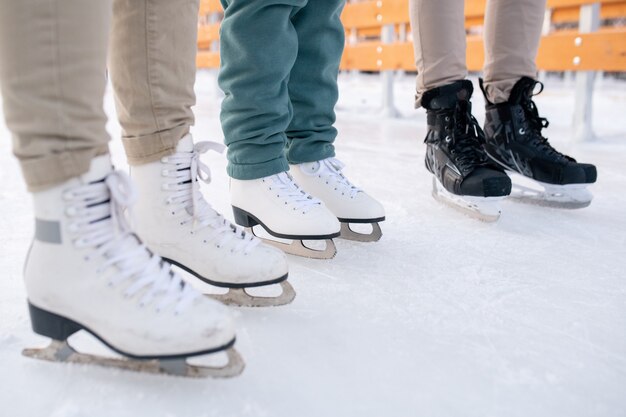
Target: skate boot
[(463, 176), (324, 180), (287, 212), (541, 175), (86, 270), (176, 222)]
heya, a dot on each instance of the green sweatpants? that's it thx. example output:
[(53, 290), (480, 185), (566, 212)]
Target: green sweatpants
[(279, 65)]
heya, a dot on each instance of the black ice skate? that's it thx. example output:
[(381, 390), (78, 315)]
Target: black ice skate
[(541, 175), (464, 177)]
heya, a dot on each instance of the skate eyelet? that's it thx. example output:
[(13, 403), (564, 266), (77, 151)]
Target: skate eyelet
[(448, 139), (164, 172), (204, 241), (447, 119), (522, 131)]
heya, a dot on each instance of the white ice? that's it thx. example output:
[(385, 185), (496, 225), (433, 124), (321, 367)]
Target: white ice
[(445, 316)]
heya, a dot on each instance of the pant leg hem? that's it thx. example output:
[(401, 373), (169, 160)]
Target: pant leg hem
[(44, 173), (256, 171), (149, 148)]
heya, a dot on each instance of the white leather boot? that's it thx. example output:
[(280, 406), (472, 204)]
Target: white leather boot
[(324, 180), (87, 270), (285, 211), (175, 220)]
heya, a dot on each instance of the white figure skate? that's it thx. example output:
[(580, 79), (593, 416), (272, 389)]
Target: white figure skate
[(286, 212), (176, 222), (86, 270), (324, 180)]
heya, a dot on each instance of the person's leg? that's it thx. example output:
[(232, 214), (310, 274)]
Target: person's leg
[(153, 68), (512, 34), (438, 28), (86, 269), (152, 62), (52, 75), (462, 176), (258, 47), (513, 126), (313, 93), (313, 81)]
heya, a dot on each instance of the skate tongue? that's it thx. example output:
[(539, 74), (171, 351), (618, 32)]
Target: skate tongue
[(185, 144), (99, 168)]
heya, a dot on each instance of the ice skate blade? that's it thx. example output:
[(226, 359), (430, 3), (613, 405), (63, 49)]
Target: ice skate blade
[(570, 196), (486, 209), (239, 297), (61, 351), (297, 247), (349, 234)]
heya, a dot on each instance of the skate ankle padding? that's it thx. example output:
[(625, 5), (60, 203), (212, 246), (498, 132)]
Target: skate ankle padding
[(447, 96)]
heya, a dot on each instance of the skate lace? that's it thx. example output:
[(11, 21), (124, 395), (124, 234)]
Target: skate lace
[(534, 124), (465, 137), (186, 197), (99, 222), (333, 176), (286, 189)]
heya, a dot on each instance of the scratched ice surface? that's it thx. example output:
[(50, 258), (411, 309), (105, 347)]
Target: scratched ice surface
[(445, 316)]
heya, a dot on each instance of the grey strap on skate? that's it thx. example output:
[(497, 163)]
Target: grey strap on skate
[(47, 231)]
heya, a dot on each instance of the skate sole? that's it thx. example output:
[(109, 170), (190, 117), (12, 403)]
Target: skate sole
[(60, 328), (227, 284), (245, 219), (297, 247), (237, 295), (531, 196)]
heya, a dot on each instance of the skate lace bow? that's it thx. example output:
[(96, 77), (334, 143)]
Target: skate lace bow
[(286, 189), (187, 198), (98, 219), (340, 182)]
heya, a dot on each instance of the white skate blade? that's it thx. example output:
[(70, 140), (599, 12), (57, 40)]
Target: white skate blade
[(349, 234), (61, 351), (239, 297), (569, 196), (297, 247), (486, 209)]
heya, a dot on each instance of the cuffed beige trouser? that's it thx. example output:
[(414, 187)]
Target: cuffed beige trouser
[(53, 62), (511, 36)]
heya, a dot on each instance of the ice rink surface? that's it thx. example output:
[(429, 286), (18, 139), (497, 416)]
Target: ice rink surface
[(445, 316)]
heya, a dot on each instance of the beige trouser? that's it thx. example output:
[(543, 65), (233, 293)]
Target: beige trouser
[(53, 61), (511, 35)]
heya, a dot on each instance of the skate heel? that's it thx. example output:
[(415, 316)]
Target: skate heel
[(51, 325), (242, 218)]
